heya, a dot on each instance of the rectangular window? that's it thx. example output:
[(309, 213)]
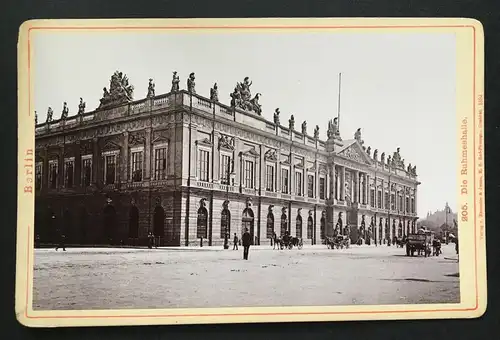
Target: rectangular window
[(393, 202), (372, 197), (225, 169), (386, 200), (379, 200), (86, 171), (270, 178), (413, 205), (38, 175), (69, 172), (110, 168), (248, 174), (407, 206), (298, 183), (322, 188), (53, 170), (400, 205), (310, 186), (160, 163), (284, 181), (203, 167), (137, 166)]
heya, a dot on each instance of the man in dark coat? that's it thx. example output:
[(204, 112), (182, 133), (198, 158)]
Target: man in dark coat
[(246, 240)]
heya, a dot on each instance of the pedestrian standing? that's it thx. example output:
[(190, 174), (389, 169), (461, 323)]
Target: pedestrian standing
[(150, 240), (246, 240), (62, 242), (235, 242)]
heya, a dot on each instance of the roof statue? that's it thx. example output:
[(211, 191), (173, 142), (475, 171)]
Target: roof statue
[(357, 136), (316, 132), (214, 93), (369, 151), (50, 113), (36, 118), (175, 82), (382, 157), (333, 129), (81, 107), (291, 123), (304, 128), (151, 88), (191, 84), (120, 91), (65, 111), (277, 116), (375, 155), (242, 97)]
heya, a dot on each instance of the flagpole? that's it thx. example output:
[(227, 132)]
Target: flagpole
[(338, 108)]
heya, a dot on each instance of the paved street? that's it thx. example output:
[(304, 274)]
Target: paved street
[(87, 278)]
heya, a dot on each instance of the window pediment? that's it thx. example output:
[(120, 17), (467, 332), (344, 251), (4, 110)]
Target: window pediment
[(250, 153), (204, 142)]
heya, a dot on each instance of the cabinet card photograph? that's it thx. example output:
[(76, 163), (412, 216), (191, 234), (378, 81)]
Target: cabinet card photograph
[(201, 171)]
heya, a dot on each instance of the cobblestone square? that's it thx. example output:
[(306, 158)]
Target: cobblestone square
[(115, 278)]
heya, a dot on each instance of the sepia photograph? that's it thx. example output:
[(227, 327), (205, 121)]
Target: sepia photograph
[(219, 168)]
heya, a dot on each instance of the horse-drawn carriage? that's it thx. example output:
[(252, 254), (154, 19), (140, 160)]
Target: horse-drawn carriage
[(420, 242), (288, 242), (339, 241)]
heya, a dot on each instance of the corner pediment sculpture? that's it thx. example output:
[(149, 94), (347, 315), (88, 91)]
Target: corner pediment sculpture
[(396, 159), (242, 97), (120, 91), (50, 114), (304, 128), (276, 117), (65, 111), (270, 155), (333, 129), (316, 132), (226, 142), (175, 82), (151, 88), (357, 136), (81, 107), (191, 83), (214, 93)]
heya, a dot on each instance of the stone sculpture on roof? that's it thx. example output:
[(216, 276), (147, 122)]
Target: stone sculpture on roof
[(304, 128), (276, 117), (81, 107), (175, 82), (214, 93), (120, 91), (242, 97), (65, 111), (191, 83), (151, 88)]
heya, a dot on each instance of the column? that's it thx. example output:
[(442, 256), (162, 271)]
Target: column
[(147, 152), (216, 158), (355, 186), (96, 160), (45, 169), (337, 181), (342, 183), (124, 159), (237, 160), (78, 166)]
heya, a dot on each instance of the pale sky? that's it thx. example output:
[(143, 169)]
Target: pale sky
[(398, 88)]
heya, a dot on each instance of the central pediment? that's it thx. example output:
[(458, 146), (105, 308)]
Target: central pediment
[(353, 151)]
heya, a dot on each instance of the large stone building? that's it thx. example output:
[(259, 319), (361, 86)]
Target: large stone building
[(190, 169)]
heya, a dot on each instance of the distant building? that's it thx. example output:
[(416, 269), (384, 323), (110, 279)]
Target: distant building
[(186, 168)]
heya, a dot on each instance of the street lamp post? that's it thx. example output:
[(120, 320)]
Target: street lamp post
[(229, 172)]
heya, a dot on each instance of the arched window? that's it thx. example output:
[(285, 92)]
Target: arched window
[(298, 226), (284, 224), (270, 225), (310, 227), (322, 226), (201, 229), (225, 223), (247, 222)]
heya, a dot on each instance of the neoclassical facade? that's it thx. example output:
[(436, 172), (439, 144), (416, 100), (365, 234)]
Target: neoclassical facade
[(190, 170)]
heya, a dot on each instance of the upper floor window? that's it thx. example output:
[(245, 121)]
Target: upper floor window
[(407, 206), (310, 186), (379, 200), (137, 166), (160, 162), (69, 172), (284, 181), (38, 175), (53, 172), (386, 200), (109, 169), (413, 205), (270, 178), (322, 188), (372, 197), (393, 202), (225, 169), (298, 183), (204, 165), (249, 174), (86, 170)]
